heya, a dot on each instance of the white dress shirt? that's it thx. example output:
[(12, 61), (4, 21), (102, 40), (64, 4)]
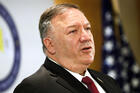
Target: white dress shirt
[(79, 77)]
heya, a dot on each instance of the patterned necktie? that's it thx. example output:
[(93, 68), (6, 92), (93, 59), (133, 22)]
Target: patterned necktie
[(90, 84)]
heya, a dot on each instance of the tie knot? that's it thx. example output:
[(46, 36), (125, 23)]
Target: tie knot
[(87, 80)]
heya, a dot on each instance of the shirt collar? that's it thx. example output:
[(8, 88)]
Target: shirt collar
[(78, 76)]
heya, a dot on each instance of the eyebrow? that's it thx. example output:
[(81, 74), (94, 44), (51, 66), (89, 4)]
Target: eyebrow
[(70, 26)]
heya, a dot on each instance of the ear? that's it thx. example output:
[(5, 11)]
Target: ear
[(49, 45)]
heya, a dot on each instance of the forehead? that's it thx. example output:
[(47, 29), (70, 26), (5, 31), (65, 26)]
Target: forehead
[(70, 16)]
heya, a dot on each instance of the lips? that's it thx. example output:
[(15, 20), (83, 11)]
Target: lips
[(86, 49)]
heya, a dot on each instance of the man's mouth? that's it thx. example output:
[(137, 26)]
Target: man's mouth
[(87, 49)]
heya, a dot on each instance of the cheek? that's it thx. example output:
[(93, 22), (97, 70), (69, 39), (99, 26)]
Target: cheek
[(71, 44), (91, 36), (63, 45), (58, 43)]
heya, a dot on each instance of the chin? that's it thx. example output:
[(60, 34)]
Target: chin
[(87, 61)]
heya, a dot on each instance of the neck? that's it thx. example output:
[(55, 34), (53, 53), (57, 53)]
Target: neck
[(83, 74), (80, 69), (72, 66)]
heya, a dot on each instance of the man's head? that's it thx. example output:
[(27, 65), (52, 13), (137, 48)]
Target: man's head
[(67, 38), (45, 19)]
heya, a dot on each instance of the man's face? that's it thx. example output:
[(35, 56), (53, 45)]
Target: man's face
[(73, 40)]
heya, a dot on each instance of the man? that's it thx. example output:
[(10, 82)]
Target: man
[(69, 46)]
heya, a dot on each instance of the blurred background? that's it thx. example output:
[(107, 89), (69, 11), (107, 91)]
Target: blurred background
[(115, 27)]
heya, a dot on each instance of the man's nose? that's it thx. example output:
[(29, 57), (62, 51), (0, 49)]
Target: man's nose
[(85, 36)]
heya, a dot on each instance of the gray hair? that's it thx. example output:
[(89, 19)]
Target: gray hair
[(45, 19)]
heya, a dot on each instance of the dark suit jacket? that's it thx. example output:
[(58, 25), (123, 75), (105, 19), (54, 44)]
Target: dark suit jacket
[(52, 78)]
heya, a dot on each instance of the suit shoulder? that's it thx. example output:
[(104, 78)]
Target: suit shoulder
[(105, 78), (34, 82), (39, 75)]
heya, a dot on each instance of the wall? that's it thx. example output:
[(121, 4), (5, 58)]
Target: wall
[(25, 14), (130, 15)]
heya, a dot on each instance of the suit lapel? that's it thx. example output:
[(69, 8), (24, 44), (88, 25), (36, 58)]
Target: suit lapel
[(65, 78), (101, 82)]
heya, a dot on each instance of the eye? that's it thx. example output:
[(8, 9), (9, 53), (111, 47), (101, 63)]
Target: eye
[(88, 28), (72, 31)]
